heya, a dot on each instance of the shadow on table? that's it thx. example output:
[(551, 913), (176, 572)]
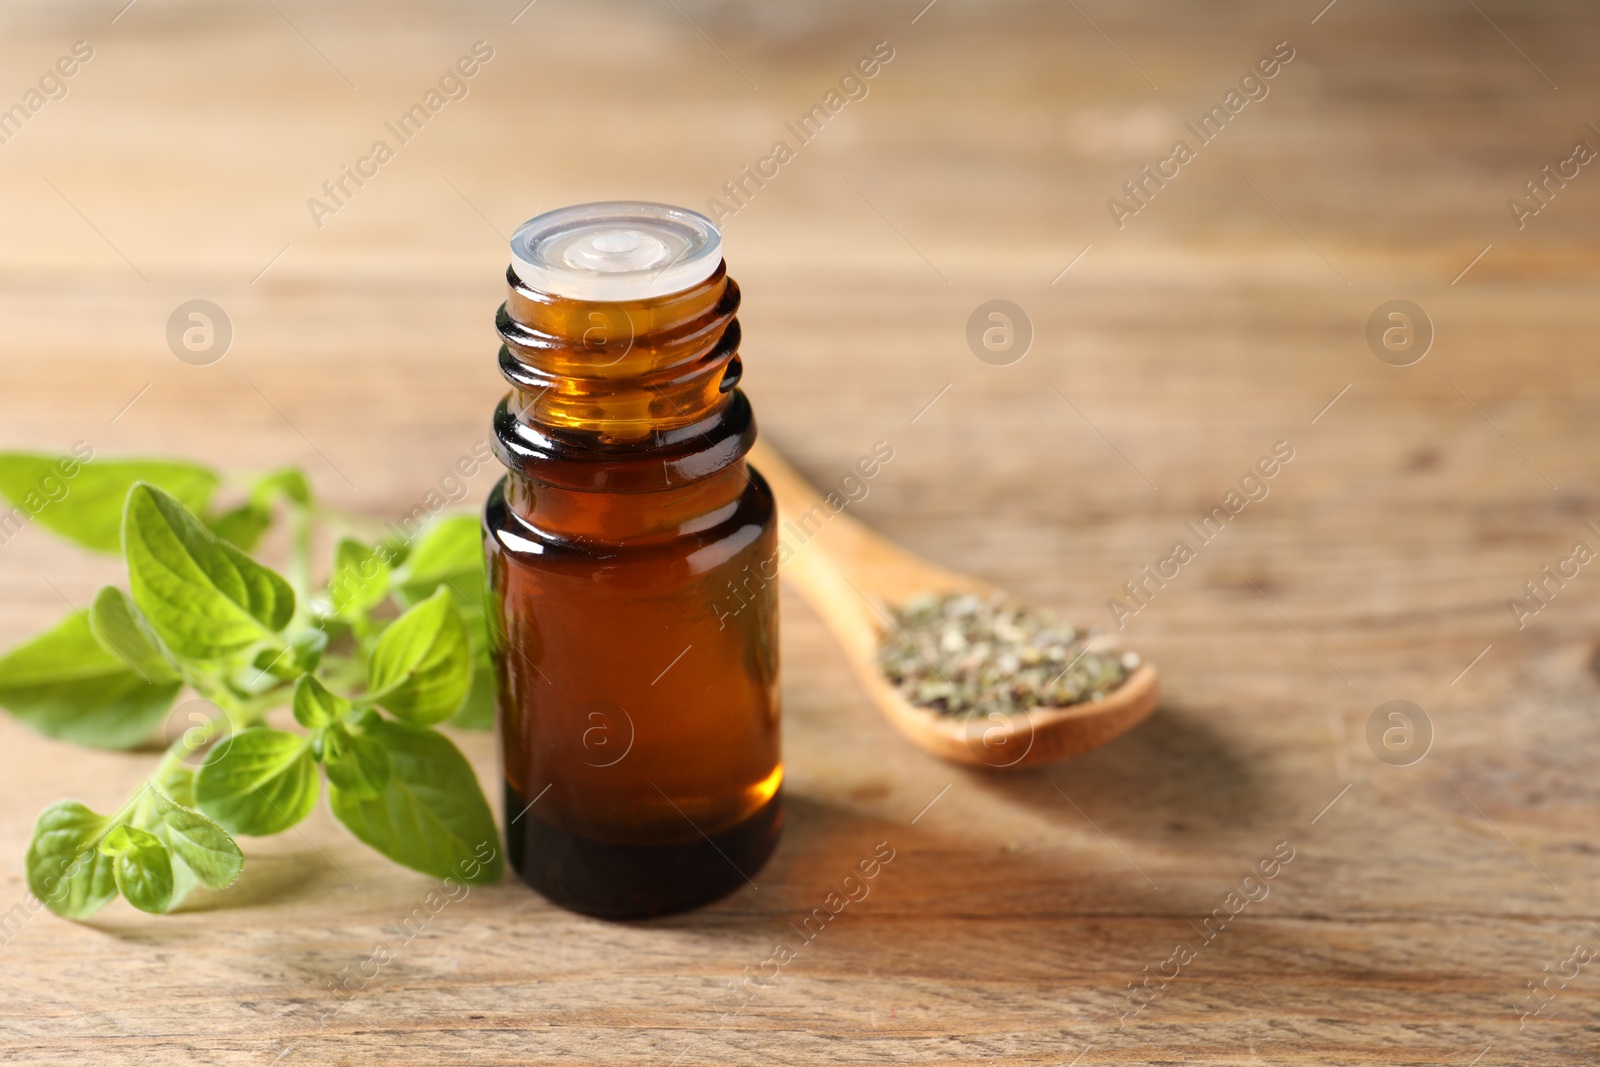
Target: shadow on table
[(971, 899), (1174, 784), (1173, 777)]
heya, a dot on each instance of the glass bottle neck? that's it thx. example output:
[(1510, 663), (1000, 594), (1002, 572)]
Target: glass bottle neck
[(606, 374), (623, 421), (634, 518)]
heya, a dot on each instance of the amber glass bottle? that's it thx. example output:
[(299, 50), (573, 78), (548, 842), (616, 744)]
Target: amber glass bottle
[(637, 644)]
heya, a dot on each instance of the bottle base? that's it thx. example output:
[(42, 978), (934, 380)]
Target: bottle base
[(612, 881)]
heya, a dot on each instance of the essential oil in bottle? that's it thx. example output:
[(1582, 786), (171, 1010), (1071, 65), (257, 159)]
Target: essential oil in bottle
[(636, 643)]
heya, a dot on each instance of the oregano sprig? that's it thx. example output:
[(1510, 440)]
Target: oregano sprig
[(364, 667)]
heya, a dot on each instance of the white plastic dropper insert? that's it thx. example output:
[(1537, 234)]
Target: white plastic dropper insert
[(616, 250)]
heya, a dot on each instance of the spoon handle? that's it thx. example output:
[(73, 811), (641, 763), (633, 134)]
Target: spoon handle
[(851, 577), (849, 574)]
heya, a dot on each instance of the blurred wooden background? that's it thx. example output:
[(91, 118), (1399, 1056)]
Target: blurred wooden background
[(1225, 316)]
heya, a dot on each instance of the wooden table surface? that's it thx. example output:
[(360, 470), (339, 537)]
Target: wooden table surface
[(1227, 314)]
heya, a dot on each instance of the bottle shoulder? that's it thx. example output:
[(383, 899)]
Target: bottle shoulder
[(700, 535), (663, 460)]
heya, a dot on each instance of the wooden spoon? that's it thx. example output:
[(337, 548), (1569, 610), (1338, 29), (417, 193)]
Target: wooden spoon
[(852, 577)]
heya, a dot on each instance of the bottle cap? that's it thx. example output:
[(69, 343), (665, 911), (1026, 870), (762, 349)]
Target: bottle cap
[(615, 250)]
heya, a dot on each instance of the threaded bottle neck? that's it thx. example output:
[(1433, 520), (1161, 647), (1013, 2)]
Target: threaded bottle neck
[(622, 395), (619, 372)]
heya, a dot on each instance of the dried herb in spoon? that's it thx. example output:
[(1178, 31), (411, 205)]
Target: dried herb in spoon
[(966, 656)]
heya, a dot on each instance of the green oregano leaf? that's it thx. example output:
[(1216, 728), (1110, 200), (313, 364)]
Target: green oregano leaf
[(122, 631), (259, 781), (307, 646), (81, 498), (242, 526), (203, 597), (303, 653), (147, 816), (448, 550), (64, 867), (315, 705), (202, 844), (354, 759), (289, 482), (478, 711), (176, 780), (142, 867), (195, 842), (201, 608), (431, 816), (360, 578), (448, 554), (421, 668), (64, 684)]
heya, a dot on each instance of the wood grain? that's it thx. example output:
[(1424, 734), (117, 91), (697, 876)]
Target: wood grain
[(1224, 317)]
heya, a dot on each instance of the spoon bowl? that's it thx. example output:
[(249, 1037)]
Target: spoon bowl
[(854, 578)]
